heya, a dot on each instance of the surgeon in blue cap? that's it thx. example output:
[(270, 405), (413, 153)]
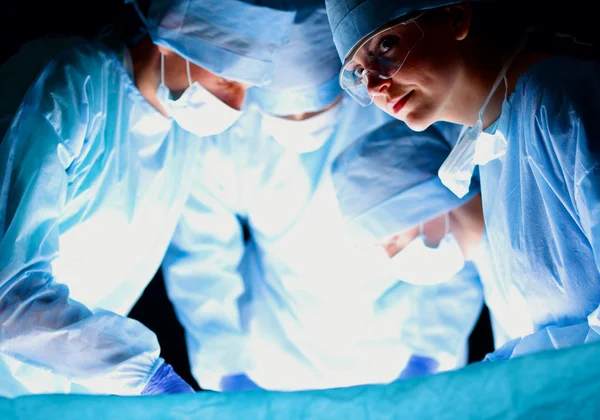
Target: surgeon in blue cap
[(300, 305), (94, 172), (531, 125)]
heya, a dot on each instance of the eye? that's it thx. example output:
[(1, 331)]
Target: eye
[(358, 73), (387, 44)]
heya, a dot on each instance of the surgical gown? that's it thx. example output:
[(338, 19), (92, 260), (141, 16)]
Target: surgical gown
[(541, 203), (92, 183), (299, 306)]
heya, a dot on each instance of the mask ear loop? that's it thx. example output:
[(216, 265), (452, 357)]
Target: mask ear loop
[(447, 222), (162, 68), (503, 72), (189, 73)]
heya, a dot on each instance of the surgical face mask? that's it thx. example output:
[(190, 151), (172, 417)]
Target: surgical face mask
[(474, 147), (196, 110), (305, 135), (422, 265)]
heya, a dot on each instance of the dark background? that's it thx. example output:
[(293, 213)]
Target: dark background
[(35, 19)]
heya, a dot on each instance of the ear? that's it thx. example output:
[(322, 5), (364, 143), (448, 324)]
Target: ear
[(164, 50), (460, 19)]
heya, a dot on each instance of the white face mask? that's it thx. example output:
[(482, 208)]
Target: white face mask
[(424, 266), (197, 110), (474, 147), (305, 135)]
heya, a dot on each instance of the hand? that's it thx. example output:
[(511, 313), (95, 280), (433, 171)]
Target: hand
[(239, 382), (166, 381), (419, 366)]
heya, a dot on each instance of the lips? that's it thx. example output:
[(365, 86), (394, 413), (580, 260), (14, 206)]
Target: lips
[(398, 104)]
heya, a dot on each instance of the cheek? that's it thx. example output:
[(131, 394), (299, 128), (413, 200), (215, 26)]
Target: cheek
[(432, 63), (175, 73), (432, 76), (427, 73), (232, 94)]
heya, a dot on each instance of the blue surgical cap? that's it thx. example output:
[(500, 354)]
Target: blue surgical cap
[(353, 20), (387, 182), (306, 69), (234, 39)]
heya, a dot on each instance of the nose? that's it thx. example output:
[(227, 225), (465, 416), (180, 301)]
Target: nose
[(376, 86)]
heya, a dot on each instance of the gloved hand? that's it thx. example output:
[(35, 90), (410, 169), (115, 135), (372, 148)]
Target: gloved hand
[(419, 366), (238, 383), (166, 381)]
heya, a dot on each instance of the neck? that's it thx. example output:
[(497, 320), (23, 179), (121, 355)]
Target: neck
[(145, 58), (467, 225), (479, 71), (521, 64)]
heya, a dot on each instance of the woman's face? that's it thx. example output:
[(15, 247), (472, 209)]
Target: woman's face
[(422, 90)]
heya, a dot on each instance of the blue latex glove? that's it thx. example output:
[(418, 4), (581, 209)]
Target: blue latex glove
[(166, 381), (419, 366), (238, 383)]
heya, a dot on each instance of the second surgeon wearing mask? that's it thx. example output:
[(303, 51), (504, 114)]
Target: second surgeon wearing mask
[(298, 306), (94, 172)]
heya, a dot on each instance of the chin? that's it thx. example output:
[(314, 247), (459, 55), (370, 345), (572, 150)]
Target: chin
[(413, 124), (417, 123)]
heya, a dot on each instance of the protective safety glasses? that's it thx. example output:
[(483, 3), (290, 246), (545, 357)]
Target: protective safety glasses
[(379, 57)]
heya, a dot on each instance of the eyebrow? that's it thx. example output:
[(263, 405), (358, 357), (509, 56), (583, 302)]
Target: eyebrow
[(373, 41)]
